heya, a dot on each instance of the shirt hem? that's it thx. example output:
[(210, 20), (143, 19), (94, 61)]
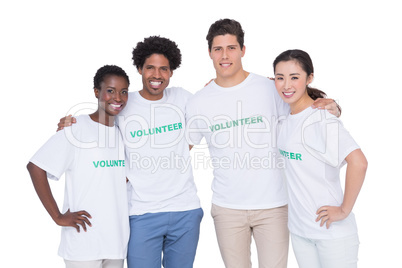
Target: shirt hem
[(168, 209), (251, 207)]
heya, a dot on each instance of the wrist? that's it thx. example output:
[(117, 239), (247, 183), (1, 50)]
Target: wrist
[(56, 218), (346, 210)]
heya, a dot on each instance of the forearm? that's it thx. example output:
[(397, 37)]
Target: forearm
[(355, 174), (42, 188)]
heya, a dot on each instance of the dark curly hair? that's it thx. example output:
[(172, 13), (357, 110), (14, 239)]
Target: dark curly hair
[(225, 26), (108, 70), (157, 45)]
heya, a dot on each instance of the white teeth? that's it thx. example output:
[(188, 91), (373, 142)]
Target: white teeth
[(288, 93), (155, 83), (115, 106), (225, 64)]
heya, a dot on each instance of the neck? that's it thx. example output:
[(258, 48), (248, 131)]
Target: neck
[(232, 80), (102, 118), (301, 104), (150, 97)]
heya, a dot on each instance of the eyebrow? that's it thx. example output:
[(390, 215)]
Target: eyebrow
[(151, 65), (226, 46), (289, 74)]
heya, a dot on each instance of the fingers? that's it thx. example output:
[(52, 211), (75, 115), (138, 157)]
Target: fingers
[(209, 82), (66, 122), (321, 103), (323, 216), (77, 220), (82, 219), (327, 104)]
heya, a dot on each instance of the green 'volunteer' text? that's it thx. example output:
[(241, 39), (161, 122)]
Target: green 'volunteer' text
[(109, 163), (156, 130), (288, 155), (235, 123)]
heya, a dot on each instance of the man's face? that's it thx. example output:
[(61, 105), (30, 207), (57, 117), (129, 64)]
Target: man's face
[(155, 76), (226, 55)]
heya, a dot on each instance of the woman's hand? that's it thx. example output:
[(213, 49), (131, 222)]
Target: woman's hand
[(74, 219), (330, 214)]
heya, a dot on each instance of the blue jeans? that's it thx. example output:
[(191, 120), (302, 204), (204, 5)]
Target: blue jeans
[(173, 233)]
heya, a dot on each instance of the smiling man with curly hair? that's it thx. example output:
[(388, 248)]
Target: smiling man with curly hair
[(165, 212)]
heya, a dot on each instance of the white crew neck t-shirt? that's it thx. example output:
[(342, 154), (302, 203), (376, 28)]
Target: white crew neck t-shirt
[(92, 157), (314, 145), (239, 126), (157, 153)]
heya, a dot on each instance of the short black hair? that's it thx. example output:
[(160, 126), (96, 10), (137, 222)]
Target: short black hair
[(225, 26), (106, 71), (157, 45)]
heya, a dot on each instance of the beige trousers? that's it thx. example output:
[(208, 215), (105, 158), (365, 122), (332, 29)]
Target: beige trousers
[(235, 229)]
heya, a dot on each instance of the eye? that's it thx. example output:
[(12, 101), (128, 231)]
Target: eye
[(124, 92), (110, 91), (295, 78), (278, 78)]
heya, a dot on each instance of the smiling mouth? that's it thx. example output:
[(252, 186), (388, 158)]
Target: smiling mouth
[(225, 65), (117, 106), (289, 94), (155, 84)]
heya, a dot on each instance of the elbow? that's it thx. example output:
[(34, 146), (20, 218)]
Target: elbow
[(363, 164), (29, 166)]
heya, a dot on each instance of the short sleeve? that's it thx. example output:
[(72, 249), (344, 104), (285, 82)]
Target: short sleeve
[(324, 136), (55, 156)]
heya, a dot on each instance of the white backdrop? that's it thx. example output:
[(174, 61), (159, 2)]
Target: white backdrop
[(50, 51)]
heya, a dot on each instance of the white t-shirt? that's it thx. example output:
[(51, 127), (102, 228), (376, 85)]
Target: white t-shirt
[(239, 125), (92, 157), (157, 154), (314, 144)]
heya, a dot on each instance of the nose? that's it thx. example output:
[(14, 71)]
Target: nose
[(287, 84), (224, 54), (116, 96), (157, 73)]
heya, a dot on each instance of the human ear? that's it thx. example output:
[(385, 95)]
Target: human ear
[(310, 78), (96, 91)]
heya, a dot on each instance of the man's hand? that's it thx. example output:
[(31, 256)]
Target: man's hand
[(66, 121), (74, 219), (329, 214), (327, 104)]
